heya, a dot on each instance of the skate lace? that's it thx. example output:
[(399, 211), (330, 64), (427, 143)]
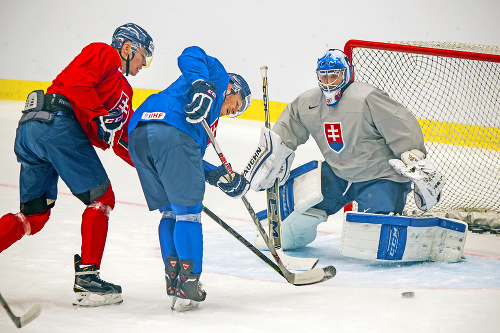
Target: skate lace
[(98, 277)]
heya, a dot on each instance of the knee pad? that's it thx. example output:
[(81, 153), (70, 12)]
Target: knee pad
[(33, 223), (187, 213), (37, 205), (105, 203), (98, 192)]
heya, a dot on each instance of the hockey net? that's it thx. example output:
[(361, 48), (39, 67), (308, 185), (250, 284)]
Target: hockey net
[(454, 91)]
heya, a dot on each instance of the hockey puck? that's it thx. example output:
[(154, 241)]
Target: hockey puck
[(408, 294)]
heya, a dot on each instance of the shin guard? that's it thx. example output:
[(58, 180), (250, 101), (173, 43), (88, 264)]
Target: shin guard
[(94, 228), (188, 238)]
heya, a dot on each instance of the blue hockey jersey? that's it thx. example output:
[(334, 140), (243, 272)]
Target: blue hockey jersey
[(167, 105)]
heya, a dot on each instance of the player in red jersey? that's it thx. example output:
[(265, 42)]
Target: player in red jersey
[(88, 104)]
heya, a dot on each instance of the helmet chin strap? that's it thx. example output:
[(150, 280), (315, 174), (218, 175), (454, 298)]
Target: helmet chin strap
[(127, 67)]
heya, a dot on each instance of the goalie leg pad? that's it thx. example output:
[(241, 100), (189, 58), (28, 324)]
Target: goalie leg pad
[(402, 238), (295, 233), (297, 197)]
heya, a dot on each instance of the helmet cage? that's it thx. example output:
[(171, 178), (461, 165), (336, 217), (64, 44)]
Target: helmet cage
[(240, 86), (328, 79)]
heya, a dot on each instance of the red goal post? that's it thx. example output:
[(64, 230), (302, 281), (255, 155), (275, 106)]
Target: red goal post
[(453, 90)]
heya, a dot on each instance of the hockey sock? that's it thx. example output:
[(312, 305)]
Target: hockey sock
[(188, 237), (166, 235), (94, 228), (14, 226)]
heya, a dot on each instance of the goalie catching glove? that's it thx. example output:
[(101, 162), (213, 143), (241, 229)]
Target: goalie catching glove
[(235, 188), (427, 180), (271, 160)]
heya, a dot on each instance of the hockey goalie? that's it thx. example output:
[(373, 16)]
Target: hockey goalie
[(373, 153)]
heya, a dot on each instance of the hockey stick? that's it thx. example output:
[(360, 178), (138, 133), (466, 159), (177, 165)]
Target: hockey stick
[(24, 319), (308, 277), (242, 239), (273, 202)]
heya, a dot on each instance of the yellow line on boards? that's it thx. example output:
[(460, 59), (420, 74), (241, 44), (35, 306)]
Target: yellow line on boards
[(434, 131), (18, 90)]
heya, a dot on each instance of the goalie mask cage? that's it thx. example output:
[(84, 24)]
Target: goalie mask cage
[(454, 92)]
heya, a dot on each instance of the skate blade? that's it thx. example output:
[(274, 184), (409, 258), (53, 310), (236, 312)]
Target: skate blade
[(182, 305), (174, 299), (88, 299)]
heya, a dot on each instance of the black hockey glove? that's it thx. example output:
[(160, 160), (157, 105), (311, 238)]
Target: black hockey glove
[(235, 188), (109, 124), (204, 93)]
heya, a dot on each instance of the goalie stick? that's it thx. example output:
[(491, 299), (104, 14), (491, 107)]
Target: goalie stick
[(303, 278), (24, 319), (273, 202)]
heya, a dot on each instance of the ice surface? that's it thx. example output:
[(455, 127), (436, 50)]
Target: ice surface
[(243, 293)]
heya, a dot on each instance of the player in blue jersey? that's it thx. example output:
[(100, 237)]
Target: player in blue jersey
[(167, 144)]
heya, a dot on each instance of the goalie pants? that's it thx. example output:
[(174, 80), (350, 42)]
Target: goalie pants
[(46, 152), (377, 196), (170, 168)]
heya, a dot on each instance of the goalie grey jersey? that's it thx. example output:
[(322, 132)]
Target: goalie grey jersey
[(358, 136)]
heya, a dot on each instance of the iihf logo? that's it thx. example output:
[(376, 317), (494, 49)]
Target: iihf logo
[(333, 134)]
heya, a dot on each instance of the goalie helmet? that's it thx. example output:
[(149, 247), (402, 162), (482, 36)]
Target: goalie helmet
[(137, 36), (240, 86), (334, 74)]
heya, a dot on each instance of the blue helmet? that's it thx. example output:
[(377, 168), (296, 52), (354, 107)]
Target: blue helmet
[(334, 74), (137, 35), (240, 86)]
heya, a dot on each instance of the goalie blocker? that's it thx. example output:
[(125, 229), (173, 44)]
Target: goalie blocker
[(271, 160), (402, 238)]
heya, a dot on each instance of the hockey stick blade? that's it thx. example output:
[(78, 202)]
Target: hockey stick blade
[(25, 319), (296, 263), (29, 316), (312, 276), (298, 279)]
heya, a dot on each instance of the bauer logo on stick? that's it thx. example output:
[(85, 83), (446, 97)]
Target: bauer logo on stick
[(333, 134)]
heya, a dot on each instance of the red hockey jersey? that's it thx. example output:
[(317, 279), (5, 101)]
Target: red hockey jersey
[(94, 84)]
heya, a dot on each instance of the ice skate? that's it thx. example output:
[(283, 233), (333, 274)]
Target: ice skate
[(90, 290), (189, 290)]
